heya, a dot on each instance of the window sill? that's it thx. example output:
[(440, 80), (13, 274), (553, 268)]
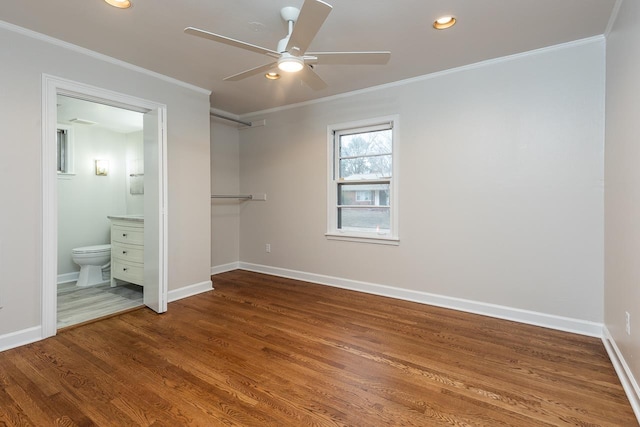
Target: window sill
[(376, 240)]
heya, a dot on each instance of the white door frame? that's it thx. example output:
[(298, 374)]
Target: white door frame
[(52, 87)]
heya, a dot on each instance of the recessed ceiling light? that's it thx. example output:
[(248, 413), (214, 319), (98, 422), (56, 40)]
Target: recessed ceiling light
[(272, 76), (121, 4), (444, 22)]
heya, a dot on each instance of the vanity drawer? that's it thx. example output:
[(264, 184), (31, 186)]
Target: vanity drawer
[(131, 235), (128, 271), (127, 250), (124, 252)]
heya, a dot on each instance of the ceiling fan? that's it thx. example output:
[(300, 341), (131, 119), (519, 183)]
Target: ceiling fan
[(291, 54)]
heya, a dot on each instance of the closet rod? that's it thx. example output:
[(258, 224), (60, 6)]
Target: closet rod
[(231, 119), (222, 196)]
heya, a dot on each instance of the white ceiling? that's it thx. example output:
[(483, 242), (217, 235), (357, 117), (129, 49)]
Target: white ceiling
[(77, 111), (150, 35)]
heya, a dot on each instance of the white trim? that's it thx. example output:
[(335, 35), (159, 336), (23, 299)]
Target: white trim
[(51, 40), (628, 381), (576, 326), (489, 62), (19, 338), (164, 217), (225, 267), (68, 277), (51, 87), (352, 237), (49, 254), (190, 290)]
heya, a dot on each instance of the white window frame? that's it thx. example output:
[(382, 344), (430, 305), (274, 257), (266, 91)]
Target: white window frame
[(333, 232), (69, 161)]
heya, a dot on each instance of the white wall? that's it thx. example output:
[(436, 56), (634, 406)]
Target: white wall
[(24, 60), (225, 179), (134, 165), (622, 190), (85, 199), (501, 190)]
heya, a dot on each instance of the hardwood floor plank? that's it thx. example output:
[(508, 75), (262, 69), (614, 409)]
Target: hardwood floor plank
[(436, 376), (269, 351)]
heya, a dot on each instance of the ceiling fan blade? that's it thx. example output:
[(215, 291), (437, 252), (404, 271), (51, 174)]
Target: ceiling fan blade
[(231, 42), (310, 77), (312, 16), (251, 72), (349, 58)]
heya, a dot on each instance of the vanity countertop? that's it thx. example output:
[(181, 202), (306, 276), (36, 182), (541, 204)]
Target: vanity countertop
[(135, 218)]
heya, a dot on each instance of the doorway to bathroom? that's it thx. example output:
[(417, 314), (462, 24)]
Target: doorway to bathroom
[(101, 153), (100, 167)]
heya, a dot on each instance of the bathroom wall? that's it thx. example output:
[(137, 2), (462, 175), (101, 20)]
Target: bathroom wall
[(85, 199), (135, 166)]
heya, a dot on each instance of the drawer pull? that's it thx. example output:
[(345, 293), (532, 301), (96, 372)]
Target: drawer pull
[(124, 252), (124, 234), (124, 269)]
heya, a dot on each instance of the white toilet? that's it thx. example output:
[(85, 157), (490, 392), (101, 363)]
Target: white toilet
[(92, 260)]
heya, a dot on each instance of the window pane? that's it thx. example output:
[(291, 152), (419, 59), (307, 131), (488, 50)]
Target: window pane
[(364, 219), (361, 177), (366, 143), (363, 194), (62, 151), (366, 167)]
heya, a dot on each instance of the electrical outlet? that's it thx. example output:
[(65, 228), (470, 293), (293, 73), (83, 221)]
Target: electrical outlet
[(267, 248), (628, 325)]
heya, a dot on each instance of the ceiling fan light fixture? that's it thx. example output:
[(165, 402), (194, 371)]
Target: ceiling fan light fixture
[(290, 64), (272, 76), (120, 4), (444, 22)]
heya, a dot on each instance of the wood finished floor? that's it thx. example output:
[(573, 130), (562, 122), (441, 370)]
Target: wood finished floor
[(80, 304), (267, 351)]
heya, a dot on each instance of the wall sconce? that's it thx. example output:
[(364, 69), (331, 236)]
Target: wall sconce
[(102, 167)]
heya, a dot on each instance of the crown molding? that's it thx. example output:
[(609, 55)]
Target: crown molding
[(481, 64), (84, 51)]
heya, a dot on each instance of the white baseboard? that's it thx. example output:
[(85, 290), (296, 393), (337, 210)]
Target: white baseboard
[(627, 379), (18, 338), (577, 326), (225, 267), (68, 277), (189, 291)]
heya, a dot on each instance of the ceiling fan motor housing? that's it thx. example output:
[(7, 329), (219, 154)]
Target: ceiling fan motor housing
[(290, 13)]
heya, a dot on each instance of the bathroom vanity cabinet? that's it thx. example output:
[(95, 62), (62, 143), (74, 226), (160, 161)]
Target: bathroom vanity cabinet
[(127, 249)]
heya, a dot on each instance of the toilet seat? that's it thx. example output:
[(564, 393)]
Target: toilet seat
[(91, 249)]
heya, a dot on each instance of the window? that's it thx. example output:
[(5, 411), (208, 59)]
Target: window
[(65, 150), (362, 189)]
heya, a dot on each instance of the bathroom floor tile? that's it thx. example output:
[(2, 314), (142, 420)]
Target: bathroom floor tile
[(77, 305)]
